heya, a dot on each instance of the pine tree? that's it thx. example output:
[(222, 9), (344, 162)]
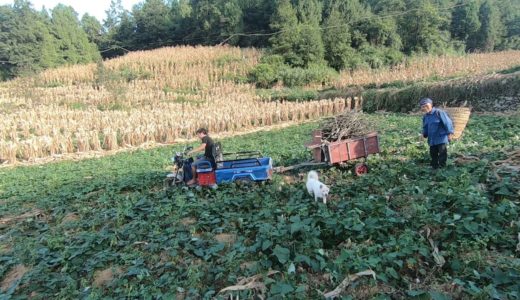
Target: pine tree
[(465, 24), (488, 35), (421, 28), (93, 29), (298, 37), (337, 39), (285, 23), (153, 24)]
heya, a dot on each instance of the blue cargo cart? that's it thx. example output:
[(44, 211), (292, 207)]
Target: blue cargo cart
[(247, 166)]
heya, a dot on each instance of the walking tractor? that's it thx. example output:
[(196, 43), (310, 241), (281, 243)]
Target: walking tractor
[(246, 166), (251, 166)]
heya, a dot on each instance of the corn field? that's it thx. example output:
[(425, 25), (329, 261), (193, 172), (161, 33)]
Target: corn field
[(433, 66), (163, 95), (76, 110)]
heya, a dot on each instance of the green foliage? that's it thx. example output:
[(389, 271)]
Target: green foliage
[(160, 242), (26, 45), (78, 106), (106, 77), (313, 74), (31, 41), (510, 70), (263, 75), (273, 71), (489, 33), (93, 29), (422, 28), (153, 23), (298, 39), (285, 22), (115, 104), (128, 74), (337, 42), (465, 24), (72, 42)]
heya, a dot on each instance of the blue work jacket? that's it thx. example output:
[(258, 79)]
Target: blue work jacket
[(437, 125)]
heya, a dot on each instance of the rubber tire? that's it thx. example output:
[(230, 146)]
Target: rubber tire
[(360, 169)]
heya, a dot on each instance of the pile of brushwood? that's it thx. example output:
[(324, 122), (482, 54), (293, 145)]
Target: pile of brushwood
[(345, 126)]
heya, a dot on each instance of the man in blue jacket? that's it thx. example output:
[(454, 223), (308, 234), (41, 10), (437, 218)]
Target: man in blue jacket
[(438, 128)]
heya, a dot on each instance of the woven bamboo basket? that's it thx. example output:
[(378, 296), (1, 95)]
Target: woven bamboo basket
[(460, 117)]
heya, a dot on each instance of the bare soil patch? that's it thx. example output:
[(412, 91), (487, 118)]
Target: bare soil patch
[(14, 275), (104, 277)]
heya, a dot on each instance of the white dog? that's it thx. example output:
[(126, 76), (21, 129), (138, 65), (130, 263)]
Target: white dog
[(316, 188)]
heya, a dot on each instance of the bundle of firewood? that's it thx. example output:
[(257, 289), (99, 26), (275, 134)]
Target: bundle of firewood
[(345, 126)]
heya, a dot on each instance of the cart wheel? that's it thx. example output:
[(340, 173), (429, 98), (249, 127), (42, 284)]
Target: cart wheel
[(166, 183), (244, 181), (360, 169)]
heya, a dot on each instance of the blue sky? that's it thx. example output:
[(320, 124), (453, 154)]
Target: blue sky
[(94, 8)]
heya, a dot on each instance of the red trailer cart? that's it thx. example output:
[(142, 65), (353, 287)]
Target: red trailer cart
[(340, 152)]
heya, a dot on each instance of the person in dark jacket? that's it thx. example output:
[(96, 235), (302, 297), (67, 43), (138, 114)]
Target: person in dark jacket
[(438, 128), (206, 146)]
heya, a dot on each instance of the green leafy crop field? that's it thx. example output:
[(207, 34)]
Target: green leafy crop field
[(106, 228)]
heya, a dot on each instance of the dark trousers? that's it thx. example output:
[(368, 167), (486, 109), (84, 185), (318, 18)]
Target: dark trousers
[(439, 154)]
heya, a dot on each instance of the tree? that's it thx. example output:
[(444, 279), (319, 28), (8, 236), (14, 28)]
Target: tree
[(337, 39), (114, 14), (310, 45), (420, 28), (381, 32), (26, 46), (298, 37), (117, 25), (489, 33), (153, 24), (93, 29), (72, 41), (208, 22), (256, 15), (465, 24), (510, 15), (285, 23)]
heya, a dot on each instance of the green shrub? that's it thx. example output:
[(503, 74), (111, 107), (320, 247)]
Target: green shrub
[(354, 61), (273, 60), (263, 75), (303, 76), (272, 69), (321, 74), (393, 57)]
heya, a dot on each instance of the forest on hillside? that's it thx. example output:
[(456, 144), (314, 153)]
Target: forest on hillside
[(334, 34)]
